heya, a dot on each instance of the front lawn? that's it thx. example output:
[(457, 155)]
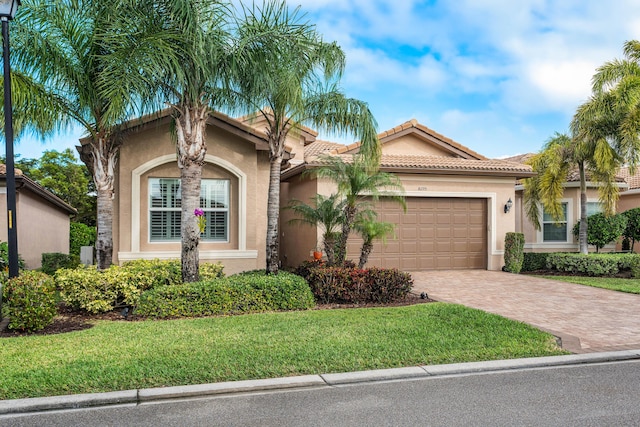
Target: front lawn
[(613, 283), (120, 355)]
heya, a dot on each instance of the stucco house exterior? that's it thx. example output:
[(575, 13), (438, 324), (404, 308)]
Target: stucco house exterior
[(42, 219), (455, 219), (146, 223), (557, 236), (456, 197)]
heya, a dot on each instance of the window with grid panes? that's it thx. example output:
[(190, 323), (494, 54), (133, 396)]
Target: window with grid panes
[(165, 209), (552, 230)]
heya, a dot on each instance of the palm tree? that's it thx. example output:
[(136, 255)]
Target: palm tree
[(370, 229), (59, 64), (558, 158), (290, 79), (358, 183), (184, 47), (325, 212)]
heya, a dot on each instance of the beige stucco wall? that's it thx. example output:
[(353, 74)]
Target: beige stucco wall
[(150, 152), (411, 144), (297, 240), (42, 227), (495, 190)]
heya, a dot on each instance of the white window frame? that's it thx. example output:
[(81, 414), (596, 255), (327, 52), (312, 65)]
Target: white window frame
[(223, 197), (557, 244)]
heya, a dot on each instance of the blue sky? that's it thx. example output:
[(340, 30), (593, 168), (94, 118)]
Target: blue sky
[(499, 76)]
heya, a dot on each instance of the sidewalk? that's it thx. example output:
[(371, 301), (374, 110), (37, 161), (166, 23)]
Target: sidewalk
[(586, 319), (142, 396)]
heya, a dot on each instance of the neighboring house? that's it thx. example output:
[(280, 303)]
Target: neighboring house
[(456, 216), (557, 236), (42, 219), (235, 178)]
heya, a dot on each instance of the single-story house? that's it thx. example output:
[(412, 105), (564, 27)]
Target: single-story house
[(456, 197), (42, 219), (456, 216)]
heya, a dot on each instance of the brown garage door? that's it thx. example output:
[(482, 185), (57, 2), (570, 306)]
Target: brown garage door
[(434, 234)]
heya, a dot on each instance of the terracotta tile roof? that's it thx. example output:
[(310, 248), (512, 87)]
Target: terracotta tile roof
[(319, 147), (428, 163), (3, 170), (520, 158), (413, 124), (632, 179)]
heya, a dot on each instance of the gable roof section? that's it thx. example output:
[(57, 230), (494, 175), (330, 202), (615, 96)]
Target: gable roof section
[(23, 181), (424, 133), (215, 118)]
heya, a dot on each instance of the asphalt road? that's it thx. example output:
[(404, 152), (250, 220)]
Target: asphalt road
[(605, 394)]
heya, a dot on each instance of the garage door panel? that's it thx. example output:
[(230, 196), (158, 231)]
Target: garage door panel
[(435, 233)]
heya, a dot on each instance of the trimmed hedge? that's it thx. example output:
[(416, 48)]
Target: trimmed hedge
[(52, 262), (30, 301), (513, 252), (241, 293), (97, 291), (534, 261), (354, 286), (594, 264)]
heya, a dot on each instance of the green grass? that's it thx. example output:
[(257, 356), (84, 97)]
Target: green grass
[(614, 283), (128, 355)]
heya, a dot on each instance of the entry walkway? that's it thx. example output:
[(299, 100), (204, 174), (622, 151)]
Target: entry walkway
[(587, 319)]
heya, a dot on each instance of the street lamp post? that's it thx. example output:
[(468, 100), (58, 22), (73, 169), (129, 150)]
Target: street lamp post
[(8, 10)]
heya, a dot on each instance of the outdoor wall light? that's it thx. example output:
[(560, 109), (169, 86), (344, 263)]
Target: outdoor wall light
[(507, 206)]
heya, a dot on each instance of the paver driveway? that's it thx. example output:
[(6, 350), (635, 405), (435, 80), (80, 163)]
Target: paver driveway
[(587, 319)]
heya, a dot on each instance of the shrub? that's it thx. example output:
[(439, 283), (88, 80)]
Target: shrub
[(350, 285), (533, 261), (52, 262), (97, 291), (602, 229), (30, 301), (592, 264), (210, 271), (632, 230), (513, 252), (4, 257), (80, 235), (87, 288), (242, 293)]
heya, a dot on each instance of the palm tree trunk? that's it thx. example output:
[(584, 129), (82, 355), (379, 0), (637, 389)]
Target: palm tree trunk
[(582, 235), (104, 240), (100, 156), (341, 249), (367, 247), (191, 124), (329, 243), (273, 214)]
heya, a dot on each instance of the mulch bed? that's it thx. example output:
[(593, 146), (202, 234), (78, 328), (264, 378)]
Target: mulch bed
[(69, 320)]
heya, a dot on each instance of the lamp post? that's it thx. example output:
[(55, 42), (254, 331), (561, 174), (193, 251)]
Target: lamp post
[(8, 10)]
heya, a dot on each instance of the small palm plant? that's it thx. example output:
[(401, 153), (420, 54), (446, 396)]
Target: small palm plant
[(325, 212), (370, 229)]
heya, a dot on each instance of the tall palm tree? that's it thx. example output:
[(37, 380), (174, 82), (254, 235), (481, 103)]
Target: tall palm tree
[(185, 49), (58, 53), (561, 155), (325, 212), (359, 184), (289, 79)]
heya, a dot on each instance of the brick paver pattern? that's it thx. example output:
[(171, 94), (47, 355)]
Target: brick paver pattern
[(587, 319)]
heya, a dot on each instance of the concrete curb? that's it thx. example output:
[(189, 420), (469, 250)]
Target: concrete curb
[(18, 406)]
